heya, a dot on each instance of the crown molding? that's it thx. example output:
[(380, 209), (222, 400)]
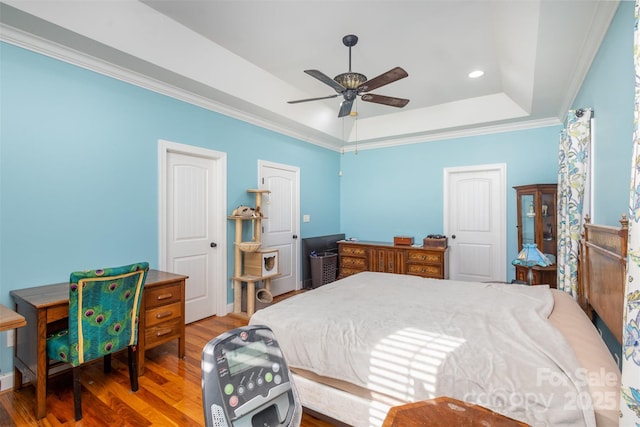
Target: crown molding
[(485, 130), (57, 51)]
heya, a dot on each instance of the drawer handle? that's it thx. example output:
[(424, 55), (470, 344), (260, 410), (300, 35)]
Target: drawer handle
[(164, 314), (162, 332), (164, 296)]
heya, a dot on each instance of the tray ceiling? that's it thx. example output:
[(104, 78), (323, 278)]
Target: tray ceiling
[(246, 58)]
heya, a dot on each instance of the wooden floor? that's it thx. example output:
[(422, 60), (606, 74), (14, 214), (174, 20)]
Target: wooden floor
[(170, 391)]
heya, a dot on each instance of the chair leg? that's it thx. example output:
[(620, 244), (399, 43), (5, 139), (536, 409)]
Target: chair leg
[(133, 367), (107, 363), (77, 401)]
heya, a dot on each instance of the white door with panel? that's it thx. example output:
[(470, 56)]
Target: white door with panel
[(475, 222), (193, 236), (281, 227)]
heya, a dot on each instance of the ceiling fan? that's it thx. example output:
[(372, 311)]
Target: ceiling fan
[(351, 84)]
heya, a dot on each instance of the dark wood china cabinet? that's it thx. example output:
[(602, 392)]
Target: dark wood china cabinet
[(537, 222)]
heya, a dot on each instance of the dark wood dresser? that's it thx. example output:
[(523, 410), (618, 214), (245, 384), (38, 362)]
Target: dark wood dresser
[(356, 257)]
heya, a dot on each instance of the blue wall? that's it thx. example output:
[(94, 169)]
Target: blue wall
[(609, 89), (399, 189), (79, 173)]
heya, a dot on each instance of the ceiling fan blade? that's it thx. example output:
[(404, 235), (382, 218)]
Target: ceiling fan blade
[(311, 99), (386, 100), (326, 80), (345, 108), (383, 79)]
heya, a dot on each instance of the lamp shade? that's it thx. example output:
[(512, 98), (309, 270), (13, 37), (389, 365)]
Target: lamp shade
[(530, 255)]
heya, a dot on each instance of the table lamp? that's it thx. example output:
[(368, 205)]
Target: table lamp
[(529, 256)]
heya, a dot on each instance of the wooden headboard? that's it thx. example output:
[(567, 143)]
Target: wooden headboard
[(602, 271)]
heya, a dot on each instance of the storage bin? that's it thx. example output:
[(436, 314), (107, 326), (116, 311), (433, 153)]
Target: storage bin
[(324, 267)]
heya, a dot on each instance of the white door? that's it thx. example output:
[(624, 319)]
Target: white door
[(475, 222), (193, 225), (280, 228)]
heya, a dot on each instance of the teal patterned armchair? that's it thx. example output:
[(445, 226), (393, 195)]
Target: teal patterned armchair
[(103, 319)]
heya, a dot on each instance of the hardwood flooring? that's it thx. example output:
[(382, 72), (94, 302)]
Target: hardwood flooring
[(170, 391)]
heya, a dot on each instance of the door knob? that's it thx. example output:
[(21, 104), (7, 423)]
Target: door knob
[(214, 244), (453, 236), (295, 236)]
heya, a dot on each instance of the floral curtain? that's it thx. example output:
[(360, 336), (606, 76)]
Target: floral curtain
[(630, 393), (573, 172)]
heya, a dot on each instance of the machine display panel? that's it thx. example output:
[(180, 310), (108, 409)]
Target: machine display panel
[(249, 355), (246, 381)]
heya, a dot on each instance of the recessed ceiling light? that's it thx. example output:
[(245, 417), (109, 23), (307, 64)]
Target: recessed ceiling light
[(475, 74)]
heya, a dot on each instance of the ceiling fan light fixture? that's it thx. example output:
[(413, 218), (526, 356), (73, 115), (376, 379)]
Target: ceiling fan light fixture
[(351, 85), (350, 80)]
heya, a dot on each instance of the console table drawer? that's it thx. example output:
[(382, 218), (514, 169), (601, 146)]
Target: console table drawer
[(163, 314)]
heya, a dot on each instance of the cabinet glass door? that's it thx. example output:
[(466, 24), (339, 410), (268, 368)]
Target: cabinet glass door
[(528, 218), (548, 215)]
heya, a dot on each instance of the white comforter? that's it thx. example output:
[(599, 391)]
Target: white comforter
[(415, 339)]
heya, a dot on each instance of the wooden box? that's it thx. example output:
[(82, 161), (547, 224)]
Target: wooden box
[(262, 263), (432, 242), (403, 240)]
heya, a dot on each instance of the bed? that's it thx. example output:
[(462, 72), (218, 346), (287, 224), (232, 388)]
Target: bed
[(365, 343)]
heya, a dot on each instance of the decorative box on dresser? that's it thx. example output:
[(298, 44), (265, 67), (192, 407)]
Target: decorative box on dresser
[(356, 257), (537, 222)]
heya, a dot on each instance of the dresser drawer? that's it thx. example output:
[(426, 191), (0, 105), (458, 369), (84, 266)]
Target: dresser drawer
[(162, 332), (162, 296), (344, 272), (425, 270), (353, 250), (425, 257), (353, 262), (163, 314)]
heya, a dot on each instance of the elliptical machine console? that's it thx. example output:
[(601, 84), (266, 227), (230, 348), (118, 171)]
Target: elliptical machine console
[(246, 381)]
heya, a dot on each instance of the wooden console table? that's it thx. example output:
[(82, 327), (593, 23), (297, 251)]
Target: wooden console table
[(46, 309)]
